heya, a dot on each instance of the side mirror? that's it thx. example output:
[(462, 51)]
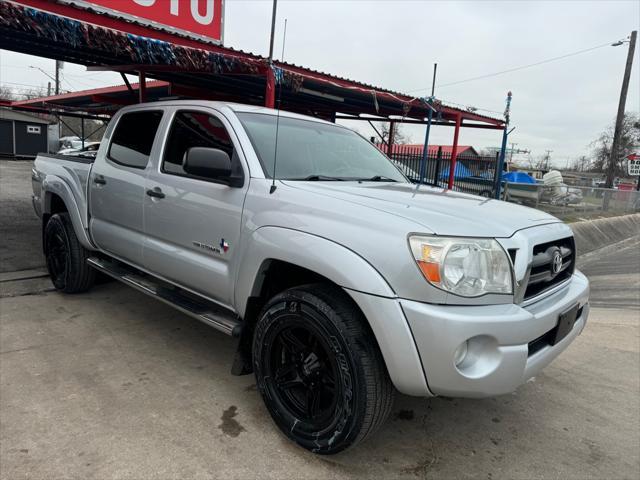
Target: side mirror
[(208, 163)]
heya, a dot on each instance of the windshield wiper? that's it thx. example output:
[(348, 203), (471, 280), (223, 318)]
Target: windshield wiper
[(316, 178), (377, 178)]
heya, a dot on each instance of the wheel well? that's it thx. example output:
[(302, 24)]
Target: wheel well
[(273, 277), (56, 205), (277, 275)]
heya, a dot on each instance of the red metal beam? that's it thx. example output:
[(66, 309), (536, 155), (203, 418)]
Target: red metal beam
[(54, 110), (166, 68), (109, 100), (88, 93), (420, 122), (454, 151), (270, 89)]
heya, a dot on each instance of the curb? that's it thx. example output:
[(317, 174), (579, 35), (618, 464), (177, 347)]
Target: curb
[(586, 258), (596, 234)]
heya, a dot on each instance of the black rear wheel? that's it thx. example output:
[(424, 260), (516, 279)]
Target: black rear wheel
[(66, 258), (319, 369)]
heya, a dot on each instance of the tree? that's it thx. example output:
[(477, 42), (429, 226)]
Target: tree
[(629, 139), (6, 93), (399, 136), (581, 164), (541, 162)]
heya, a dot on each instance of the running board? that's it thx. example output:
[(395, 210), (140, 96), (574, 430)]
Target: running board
[(208, 312)]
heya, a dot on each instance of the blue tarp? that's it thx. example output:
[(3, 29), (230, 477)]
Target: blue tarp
[(460, 172), (518, 177)]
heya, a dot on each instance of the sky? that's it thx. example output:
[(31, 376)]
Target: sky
[(560, 106)]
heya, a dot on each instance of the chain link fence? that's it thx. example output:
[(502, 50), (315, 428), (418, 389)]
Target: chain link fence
[(573, 203)]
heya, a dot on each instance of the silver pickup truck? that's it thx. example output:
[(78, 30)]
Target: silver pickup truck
[(342, 281)]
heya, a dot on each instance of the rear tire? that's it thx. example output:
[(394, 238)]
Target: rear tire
[(66, 257), (319, 369)]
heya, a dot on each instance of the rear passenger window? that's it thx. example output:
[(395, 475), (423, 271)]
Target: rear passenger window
[(196, 129), (133, 138)]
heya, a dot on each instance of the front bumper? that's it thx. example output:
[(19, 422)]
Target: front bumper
[(498, 358)]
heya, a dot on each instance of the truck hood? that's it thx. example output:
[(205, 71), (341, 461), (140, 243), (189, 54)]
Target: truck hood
[(443, 212)]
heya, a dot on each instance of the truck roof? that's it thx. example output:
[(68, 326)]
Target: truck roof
[(235, 107)]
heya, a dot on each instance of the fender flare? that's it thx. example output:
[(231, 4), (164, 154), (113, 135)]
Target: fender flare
[(325, 257), (54, 185)]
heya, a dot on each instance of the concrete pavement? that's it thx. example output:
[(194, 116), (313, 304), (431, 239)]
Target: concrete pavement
[(21, 244), (112, 384)]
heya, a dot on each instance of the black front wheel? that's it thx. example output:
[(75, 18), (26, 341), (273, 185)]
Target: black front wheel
[(319, 369), (66, 258)]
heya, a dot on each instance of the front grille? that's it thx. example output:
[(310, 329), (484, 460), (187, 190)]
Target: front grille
[(543, 276)]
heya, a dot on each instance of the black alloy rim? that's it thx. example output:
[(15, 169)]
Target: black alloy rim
[(304, 377), (57, 256)]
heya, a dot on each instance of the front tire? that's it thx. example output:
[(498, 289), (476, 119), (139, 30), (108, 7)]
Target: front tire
[(319, 369), (66, 257)]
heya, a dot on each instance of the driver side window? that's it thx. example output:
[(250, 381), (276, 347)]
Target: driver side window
[(196, 129)]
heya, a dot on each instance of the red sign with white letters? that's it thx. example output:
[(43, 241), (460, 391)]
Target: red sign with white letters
[(201, 19)]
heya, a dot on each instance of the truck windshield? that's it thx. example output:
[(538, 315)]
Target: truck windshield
[(314, 151)]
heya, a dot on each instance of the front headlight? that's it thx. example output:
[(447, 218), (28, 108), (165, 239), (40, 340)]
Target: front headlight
[(469, 267)]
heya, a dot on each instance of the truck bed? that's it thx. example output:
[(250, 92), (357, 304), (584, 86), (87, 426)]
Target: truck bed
[(70, 158), (71, 174)]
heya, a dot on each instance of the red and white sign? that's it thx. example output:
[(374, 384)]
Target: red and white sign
[(634, 164), (200, 19)]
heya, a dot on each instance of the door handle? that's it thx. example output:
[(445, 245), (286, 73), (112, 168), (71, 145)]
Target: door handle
[(155, 193), (99, 180)]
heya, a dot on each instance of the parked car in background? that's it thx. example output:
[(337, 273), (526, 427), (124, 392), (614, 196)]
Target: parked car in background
[(89, 150), (70, 141), (342, 281)]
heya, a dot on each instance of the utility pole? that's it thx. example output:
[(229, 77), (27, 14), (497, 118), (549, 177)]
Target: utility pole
[(615, 145), (513, 146), (58, 77), (546, 159), (273, 29)]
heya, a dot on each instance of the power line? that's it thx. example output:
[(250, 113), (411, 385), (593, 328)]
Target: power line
[(85, 74), (24, 84), (522, 67)]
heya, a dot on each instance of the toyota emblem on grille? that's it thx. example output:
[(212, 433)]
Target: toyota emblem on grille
[(556, 266)]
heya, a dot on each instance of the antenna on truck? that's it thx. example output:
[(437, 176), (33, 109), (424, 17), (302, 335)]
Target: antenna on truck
[(275, 152)]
